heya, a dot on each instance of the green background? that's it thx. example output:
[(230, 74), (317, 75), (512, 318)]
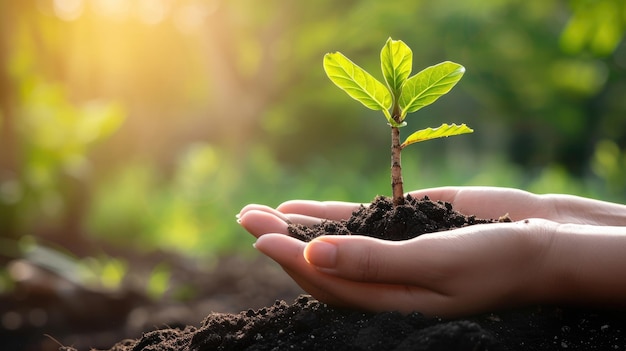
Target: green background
[(147, 125)]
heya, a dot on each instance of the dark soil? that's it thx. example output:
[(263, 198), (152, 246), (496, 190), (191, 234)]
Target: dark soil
[(381, 220), (307, 324)]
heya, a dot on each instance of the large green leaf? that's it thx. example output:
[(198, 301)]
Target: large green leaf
[(355, 81), (427, 86), (443, 130), (396, 59)]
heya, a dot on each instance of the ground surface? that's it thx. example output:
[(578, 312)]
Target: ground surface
[(307, 324), (302, 323)]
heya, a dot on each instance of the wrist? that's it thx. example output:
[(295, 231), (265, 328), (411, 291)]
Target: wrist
[(545, 274), (585, 264)]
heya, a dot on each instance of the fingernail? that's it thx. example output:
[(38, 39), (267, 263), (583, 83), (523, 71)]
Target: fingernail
[(321, 254)]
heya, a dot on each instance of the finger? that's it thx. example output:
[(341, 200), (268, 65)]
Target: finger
[(485, 202), (286, 217), (447, 194), (372, 260), (333, 210), (259, 222), (468, 203), (465, 200), (302, 219), (263, 208)]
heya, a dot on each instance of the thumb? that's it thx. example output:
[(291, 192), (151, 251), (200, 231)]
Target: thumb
[(367, 259)]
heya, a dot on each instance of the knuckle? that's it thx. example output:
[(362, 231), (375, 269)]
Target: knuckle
[(369, 265)]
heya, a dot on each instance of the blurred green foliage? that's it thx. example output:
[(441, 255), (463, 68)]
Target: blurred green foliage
[(149, 124)]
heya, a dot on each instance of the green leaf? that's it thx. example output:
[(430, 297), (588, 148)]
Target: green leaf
[(355, 81), (443, 130), (427, 86), (396, 59)]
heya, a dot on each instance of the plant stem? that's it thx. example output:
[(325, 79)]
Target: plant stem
[(397, 186)]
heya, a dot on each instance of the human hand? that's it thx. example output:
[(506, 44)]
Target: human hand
[(490, 202), (563, 248), (483, 202), (458, 272)]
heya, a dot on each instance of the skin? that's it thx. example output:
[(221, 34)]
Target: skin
[(559, 249)]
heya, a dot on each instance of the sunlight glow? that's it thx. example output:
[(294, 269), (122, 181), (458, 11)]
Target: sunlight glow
[(187, 17), (68, 10), (190, 18), (115, 9), (152, 11)]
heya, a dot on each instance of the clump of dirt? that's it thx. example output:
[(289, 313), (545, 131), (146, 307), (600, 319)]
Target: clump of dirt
[(308, 324), (384, 221)]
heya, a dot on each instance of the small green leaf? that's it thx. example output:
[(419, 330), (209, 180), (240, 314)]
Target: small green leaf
[(355, 81), (396, 60), (443, 130), (428, 85)]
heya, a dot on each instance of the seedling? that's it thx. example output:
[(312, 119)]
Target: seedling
[(400, 96)]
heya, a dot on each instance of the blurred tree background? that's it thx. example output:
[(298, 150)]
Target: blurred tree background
[(148, 124)]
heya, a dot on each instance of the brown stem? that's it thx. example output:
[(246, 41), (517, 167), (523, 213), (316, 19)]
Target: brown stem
[(396, 168)]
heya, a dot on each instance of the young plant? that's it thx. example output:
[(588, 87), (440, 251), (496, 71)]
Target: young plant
[(400, 96)]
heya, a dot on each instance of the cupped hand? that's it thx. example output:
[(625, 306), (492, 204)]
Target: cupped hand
[(483, 202), (453, 273)]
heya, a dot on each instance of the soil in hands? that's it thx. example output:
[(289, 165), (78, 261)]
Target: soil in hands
[(307, 324), (384, 221)]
